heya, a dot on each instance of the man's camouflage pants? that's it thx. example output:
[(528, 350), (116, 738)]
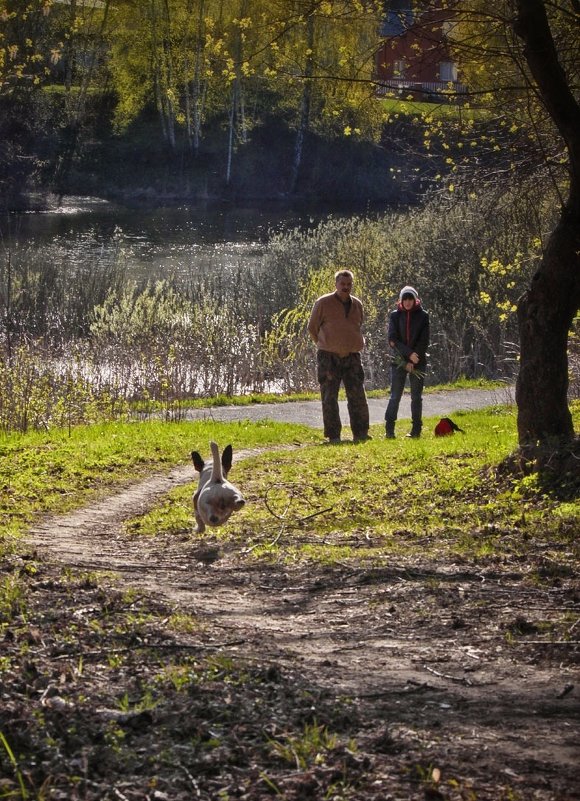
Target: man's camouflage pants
[(332, 369)]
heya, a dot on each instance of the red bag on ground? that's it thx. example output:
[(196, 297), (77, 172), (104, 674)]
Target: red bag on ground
[(446, 426)]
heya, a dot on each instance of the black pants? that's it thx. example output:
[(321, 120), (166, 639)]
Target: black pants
[(398, 379)]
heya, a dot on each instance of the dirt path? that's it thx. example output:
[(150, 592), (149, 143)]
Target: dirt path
[(423, 647)]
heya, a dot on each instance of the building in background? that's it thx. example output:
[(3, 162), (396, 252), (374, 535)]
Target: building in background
[(415, 58)]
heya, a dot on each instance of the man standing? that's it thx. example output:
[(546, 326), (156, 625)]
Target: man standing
[(409, 338), (335, 327)]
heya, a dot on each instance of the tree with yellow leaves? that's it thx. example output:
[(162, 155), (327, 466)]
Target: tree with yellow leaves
[(521, 62)]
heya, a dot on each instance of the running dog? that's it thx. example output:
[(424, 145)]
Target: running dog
[(215, 498)]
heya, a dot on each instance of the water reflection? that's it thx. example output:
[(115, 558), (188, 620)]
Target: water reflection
[(151, 241)]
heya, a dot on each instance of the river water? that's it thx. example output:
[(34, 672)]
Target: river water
[(150, 242)]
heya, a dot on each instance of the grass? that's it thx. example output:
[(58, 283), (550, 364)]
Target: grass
[(444, 109), (56, 471), (396, 504), (315, 502), (14, 762), (304, 751), (271, 397), (53, 472), (433, 497), (228, 400)]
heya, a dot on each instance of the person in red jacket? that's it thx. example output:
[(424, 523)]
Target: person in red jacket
[(409, 338)]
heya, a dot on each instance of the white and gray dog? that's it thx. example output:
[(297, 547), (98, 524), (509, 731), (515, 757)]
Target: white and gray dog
[(215, 498)]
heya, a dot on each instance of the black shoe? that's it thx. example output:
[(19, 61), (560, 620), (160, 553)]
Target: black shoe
[(366, 437), (413, 435), (389, 435)]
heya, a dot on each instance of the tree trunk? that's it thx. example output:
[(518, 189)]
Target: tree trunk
[(305, 104), (197, 95), (75, 102), (547, 309), (163, 70), (70, 47), (168, 77), (545, 314), (231, 135)]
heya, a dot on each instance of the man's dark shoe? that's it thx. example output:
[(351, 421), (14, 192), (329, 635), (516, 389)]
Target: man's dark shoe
[(413, 435), (390, 436), (334, 441), (362, 439)]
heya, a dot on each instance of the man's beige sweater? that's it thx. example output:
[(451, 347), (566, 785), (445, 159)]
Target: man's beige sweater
[(336, 326)]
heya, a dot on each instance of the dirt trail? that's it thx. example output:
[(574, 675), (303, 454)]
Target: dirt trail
[(420, 644)]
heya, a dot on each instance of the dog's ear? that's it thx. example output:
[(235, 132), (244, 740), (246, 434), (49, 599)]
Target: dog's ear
[(227, 456), (198, 462)]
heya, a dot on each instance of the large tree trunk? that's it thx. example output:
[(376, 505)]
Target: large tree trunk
[(547, 309), (545, 314)]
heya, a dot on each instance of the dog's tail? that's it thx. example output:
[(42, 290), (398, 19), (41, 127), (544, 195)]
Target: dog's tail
[(217, 475)]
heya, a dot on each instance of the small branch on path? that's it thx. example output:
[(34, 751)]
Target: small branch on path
[(417, 687), (457, 679), (153, 646)]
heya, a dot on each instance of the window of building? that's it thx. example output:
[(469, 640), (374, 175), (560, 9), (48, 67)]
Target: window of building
[(399, 68), (447, 71)]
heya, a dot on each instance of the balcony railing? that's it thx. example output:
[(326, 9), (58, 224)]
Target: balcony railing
[(399, 85)]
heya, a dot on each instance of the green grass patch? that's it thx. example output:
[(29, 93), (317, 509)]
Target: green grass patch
[(252, 399), (432, 497), (255, 399), (55, 472), (446, 109), (315, 502), (462, 383)]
